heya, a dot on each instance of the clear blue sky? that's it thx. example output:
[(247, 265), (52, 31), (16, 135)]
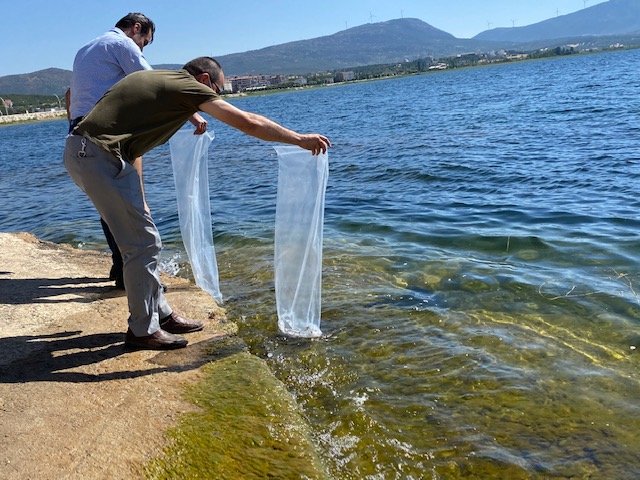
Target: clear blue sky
[(39, 34)]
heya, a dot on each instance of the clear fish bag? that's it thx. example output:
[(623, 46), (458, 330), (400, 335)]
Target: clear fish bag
[(302, 182), (189, 158)]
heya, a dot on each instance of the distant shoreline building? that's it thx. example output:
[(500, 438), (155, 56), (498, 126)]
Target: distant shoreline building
[(344, 76), (250, 83)]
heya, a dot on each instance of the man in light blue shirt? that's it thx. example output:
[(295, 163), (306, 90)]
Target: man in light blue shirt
[(103, 62), (98, 66)]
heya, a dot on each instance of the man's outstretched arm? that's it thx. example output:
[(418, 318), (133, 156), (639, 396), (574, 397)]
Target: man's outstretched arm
[(261, 127)]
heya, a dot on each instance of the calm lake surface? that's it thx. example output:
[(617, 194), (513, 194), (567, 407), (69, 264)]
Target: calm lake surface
[(481, 264)]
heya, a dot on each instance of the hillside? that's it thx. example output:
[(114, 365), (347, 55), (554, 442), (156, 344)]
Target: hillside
[(51, 81), (615, 17), (391, 42), (374, 43)]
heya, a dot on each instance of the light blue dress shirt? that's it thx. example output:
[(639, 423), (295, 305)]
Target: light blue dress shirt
[(99, 65)]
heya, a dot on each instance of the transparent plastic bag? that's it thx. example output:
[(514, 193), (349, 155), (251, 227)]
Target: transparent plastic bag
[(302, 182), (189, 158)]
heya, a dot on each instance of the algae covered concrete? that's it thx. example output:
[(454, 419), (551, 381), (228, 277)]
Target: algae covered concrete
[(248, 427), (75, 404)]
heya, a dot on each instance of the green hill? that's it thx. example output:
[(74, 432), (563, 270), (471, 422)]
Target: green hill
[(393, 41), (51, 81), (372, 43)]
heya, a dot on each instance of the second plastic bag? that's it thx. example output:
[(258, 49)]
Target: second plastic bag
[(189, 155), (302, 182)]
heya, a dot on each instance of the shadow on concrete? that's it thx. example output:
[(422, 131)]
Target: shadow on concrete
[(51, 290), (56, 357)]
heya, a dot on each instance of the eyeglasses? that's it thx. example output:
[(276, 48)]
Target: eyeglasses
[(217, 88)]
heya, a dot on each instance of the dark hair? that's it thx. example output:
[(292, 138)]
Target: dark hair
[(204, 65), (130, 19)]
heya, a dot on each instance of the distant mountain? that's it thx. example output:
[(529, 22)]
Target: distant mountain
[(391, 42), (615, 17), (43, 82), (372, 43)]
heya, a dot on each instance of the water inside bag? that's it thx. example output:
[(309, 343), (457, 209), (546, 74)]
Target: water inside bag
[(302, 182), (189, 159)]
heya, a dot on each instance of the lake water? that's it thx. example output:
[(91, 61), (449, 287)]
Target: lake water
[(481, 264)]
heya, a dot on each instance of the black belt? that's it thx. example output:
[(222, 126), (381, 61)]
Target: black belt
[(74, 123)]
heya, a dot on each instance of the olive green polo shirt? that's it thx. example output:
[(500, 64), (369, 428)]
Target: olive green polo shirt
[(143, 110)]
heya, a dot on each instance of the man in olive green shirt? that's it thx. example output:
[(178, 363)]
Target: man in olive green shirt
[(140, 112)]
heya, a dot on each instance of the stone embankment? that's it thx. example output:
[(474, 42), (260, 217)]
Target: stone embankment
[(32, 117)]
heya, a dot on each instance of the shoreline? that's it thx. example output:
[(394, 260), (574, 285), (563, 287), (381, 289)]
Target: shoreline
[(31, 117), (66, 379), (39, 116)]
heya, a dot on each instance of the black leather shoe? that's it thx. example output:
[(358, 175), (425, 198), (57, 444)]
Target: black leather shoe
[(120, 283), (176, 324), (160, 340), (115, 272)]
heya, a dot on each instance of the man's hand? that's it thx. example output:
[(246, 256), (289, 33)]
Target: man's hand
[(315, 142), (199, 122)]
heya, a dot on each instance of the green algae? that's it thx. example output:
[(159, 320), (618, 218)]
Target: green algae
[(247, 426)]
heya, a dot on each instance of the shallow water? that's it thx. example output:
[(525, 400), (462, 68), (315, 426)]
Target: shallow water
[(480, 286)]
